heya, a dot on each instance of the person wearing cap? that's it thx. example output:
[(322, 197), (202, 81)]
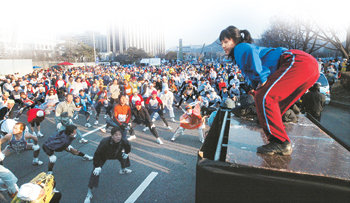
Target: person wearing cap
[(62, 141), (8, 111), (191, 119), (188, 91), (34, 117), (110, 148), (17, 142), (40, 189), (314, 101), (134, 98), (167, 98), (155, 108), (142, 117)]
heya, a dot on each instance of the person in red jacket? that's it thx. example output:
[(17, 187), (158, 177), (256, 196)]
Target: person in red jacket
[(222, 84), (35, 117)]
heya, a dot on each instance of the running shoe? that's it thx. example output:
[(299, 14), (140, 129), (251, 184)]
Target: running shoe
[(125, 171)]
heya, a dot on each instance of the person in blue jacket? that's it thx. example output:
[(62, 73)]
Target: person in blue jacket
[(279, 78), (62, 141)]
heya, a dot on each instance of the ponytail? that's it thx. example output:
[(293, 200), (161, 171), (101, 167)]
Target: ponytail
[(246, 37), (238, 36)]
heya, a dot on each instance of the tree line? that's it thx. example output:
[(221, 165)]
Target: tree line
[(306, 36)]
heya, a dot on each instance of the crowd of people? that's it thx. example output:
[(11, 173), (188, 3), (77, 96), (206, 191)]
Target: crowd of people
[(333, 68), (126, 96)]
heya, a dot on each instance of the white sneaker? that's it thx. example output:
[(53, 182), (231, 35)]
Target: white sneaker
[(170, 128), (173, 120), (103, 130), (82, 140), (76, 117), (159, 141), (88, 125), (96, 123), (88, 198), (173, 139), (132, 137), (125, 171), (34, 133), (105, 116), (40, 134), (49, 173), (37, 163), (153, 120), (87, 157), (145, 129)]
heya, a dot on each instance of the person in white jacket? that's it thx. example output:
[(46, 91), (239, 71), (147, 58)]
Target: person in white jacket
[(77, 86), (167, 98)]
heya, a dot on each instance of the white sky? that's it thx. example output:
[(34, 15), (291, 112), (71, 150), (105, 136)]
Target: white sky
[(195, 21)]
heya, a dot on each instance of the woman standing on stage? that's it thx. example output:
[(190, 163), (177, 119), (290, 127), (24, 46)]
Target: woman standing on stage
[(279, 78)]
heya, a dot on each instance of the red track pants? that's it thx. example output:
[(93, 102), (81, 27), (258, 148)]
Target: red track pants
[(297, 72)]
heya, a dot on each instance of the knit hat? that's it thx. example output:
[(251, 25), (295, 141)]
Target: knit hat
[(40, 113)]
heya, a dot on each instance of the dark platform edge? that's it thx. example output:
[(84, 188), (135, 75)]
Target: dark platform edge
[(219, 181)]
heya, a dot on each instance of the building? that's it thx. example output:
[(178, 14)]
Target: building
[(88, 38), (148, 38), (15, 43)]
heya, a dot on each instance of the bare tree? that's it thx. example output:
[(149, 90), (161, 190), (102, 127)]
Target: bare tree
[(333, 38), (297, 34)]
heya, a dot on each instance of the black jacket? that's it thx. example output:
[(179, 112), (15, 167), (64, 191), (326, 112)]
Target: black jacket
[(107, 149), (313, 103), (142, 116)]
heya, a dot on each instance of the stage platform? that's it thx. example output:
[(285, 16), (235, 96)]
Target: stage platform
[(314, 152), (317, 171)]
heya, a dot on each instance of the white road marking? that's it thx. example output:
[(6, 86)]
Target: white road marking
[(133, 197), (92, 131)]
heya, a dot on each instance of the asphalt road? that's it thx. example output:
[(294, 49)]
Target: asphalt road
[(337, 121), (174, 165)]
